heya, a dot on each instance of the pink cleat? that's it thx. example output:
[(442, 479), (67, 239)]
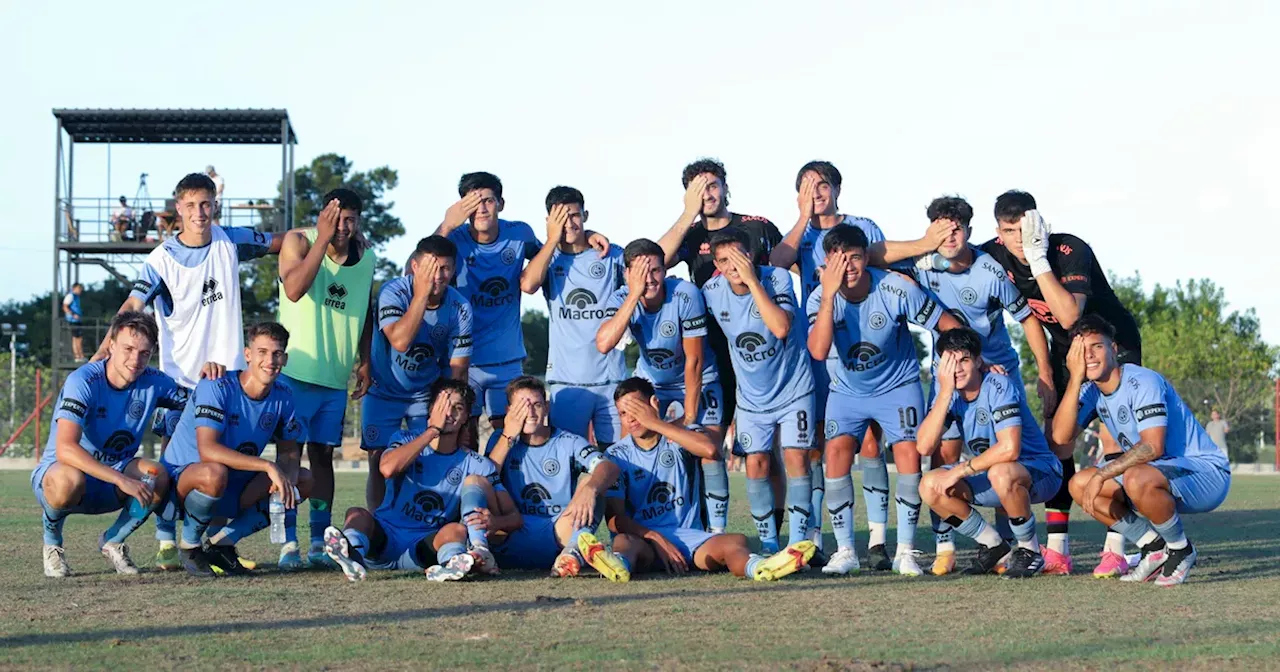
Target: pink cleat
[(1112, 566), (1055, 563)]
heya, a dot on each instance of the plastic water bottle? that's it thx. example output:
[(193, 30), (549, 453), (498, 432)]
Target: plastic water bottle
[(933, 262), (136, 509), (276, 512)]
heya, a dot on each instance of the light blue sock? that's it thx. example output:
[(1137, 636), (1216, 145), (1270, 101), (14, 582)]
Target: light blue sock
[(799, 490), (358, 540), (256, 517), (53, 520), (1133, 527), (840, 507), (1171, 531), (760, 501), (875, 489), (753, 563), (1003, 527), (717, 499), (472, 499), (199, 508), (941, 530), (447, 551), (320, 517), (128, 521), (1024, 530), (167, 523), (908, 498), (976, 528), (573, 539), (817, 486)]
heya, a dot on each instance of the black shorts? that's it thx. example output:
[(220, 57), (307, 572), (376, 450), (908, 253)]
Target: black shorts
[(1124, 355), (76, 331), (719, 345)]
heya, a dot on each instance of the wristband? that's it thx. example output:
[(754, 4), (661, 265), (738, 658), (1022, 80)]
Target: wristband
[(439, 430), (511, 439), (969, 470)]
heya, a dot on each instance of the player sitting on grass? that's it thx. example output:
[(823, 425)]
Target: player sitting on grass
[(214, 458), (1012, 466), (540, 466), (89, 465), (439, 498), (655, 510), (1169, 464)]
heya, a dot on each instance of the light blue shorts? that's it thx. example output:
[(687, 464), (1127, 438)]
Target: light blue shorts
[(1197, 485), (381, 418), (793, 424), (533, 546), (687, 540), (321, 410), (99, 496), (489, 383), (575, 407), (401, 548), (1046, 480), (710, 404), (898, 412)]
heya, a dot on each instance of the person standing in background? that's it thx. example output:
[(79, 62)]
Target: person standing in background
[(1218, 429), (72, 311), (219, 185)]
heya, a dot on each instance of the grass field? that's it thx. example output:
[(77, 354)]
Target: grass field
[(1227, 617)]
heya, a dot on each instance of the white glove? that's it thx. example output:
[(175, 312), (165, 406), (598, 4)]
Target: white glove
[(1035, 242)]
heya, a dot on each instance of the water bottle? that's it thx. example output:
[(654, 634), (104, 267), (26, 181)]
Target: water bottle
[(933, 262), (136, 509), (276, 512)]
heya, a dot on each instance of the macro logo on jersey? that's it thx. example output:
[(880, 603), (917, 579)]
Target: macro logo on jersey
[(416, 356), (960, 317), (751, 347), (979, 446), (210, 292), (662, 498), (536, 501), (426, 504), (662, 358), (492, 293), (578, 306), (116, 444), (248, 448), (864, 356), (337, 296)]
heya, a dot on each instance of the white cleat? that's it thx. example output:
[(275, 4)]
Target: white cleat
[(118, 556), (457, 569), (844, 561), (290, 558), (1176, 574), (485, 563), (55, 562), (905, 563), (338, 550), (1148, 567)]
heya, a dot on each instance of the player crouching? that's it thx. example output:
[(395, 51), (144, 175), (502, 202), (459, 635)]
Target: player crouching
[(654, 510), (438, 500), (1012, 466)]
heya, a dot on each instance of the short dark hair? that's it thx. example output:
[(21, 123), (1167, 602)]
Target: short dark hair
[(525, 383), (702, 166), (123, 200), (950, 207), (347, 199), (825, 169), (273, 330), (476, 181), (1011, 205), (1093, 323), (446, 384), (843, 237), (74, 285), (641, 247), (565, 196), (635, 384), (729, 236), (136, 321), (436, 246), (960, 339), (194, 182)]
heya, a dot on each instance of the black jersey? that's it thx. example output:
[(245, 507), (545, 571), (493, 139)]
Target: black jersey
[(696, 252)]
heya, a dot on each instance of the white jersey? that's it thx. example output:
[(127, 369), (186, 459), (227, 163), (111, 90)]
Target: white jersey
[(204, 324)]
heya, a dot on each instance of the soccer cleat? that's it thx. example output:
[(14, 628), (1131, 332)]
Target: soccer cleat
[(602, 559), (1148, 567), (485, 562), (1111, 566), (1055, 563), (455, 570), (943, 563), (55, 562), (878, 558), (1003, 565), (316, 557), (845, 561), (987, 559), (167, 557), (290, 558), (566, 565), (342, 556), (904, 563), (1024, 564), (1178, 566), (224, 560), (246, 562), (195, 562), (789, 560), (118, 556)]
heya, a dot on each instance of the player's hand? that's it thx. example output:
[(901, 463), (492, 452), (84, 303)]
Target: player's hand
[(327, 222), (1075, 360), (517, 415), (998, 368), (833, 274), (1088, 501), (138, 490), (364, 380), (645, 413), (101, 354), (598, 242), (479, 519), (280, 483), (212, 371), (1035, 242), (1048, 396), (460, 212), (740, 263), (947, 365), (439, 415), (693, 195), (557, 219), (939, 231), (638, 274), (582, 508), (424, 275), (941, 485), (671, 557), (804, 200)]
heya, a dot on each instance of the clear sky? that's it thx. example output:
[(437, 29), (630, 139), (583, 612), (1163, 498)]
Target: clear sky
[(1150, 129)]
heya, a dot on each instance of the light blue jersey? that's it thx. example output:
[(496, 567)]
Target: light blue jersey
[(811, 257), (770, 372), (661, 486), (489, 278), (978, 297), (877, 352), (149, 287), (542, 479), (661, 334), (577, 289), (428, 494), (1000, 404), (1145, 400), (445, 334), (111, 421), (243, 424)]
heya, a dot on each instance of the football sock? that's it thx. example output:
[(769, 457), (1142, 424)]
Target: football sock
[(908, 499), (447, 551), (1003, 527), (124, 526), (53, 520), (358, 540), (199, 508), (760, 502), (816, 494), (1024, 530), (1114, 542), (167, 523), (717, 496), (976, 528), (875, 492), (799, 488), (253, 519), (320, 516), (840, 507), (943, 540), (1134, 528), (473, 498), (1171, 531)]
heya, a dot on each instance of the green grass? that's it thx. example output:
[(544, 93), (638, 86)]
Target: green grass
[(1228, 616)]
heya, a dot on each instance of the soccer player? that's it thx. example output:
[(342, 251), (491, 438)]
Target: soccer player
[(423, 334), (214, 458), (1062, 281), (1169, 465), (577, 285), (492, 253), (89, 465), (755, 307), (75, 315), (1011, 468), (863, 313), (193, 280), (443, 497), (654, 510), (667, 317), (540, 466), (975, 289), (326, 278)]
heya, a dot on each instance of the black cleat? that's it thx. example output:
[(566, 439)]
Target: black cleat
[(988, 558), (195, 562), (1024, 564), (878, 559), (818, 561), (224, 559)]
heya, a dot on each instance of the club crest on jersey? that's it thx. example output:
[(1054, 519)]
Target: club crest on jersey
[(439, 332), (551, 466), (667, 458), (968, 296), (832, 429), (1123, 415), (744, 440), (508, 255), (755, 311), (667, 329), (453, 476), (267, 422), (878, 320), (982, 417), (863, 356), (137, 409), (596, 270)]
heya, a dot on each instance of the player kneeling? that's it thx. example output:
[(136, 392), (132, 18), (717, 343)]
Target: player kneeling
[(1012, 466), (655, 509), (438, 500)]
